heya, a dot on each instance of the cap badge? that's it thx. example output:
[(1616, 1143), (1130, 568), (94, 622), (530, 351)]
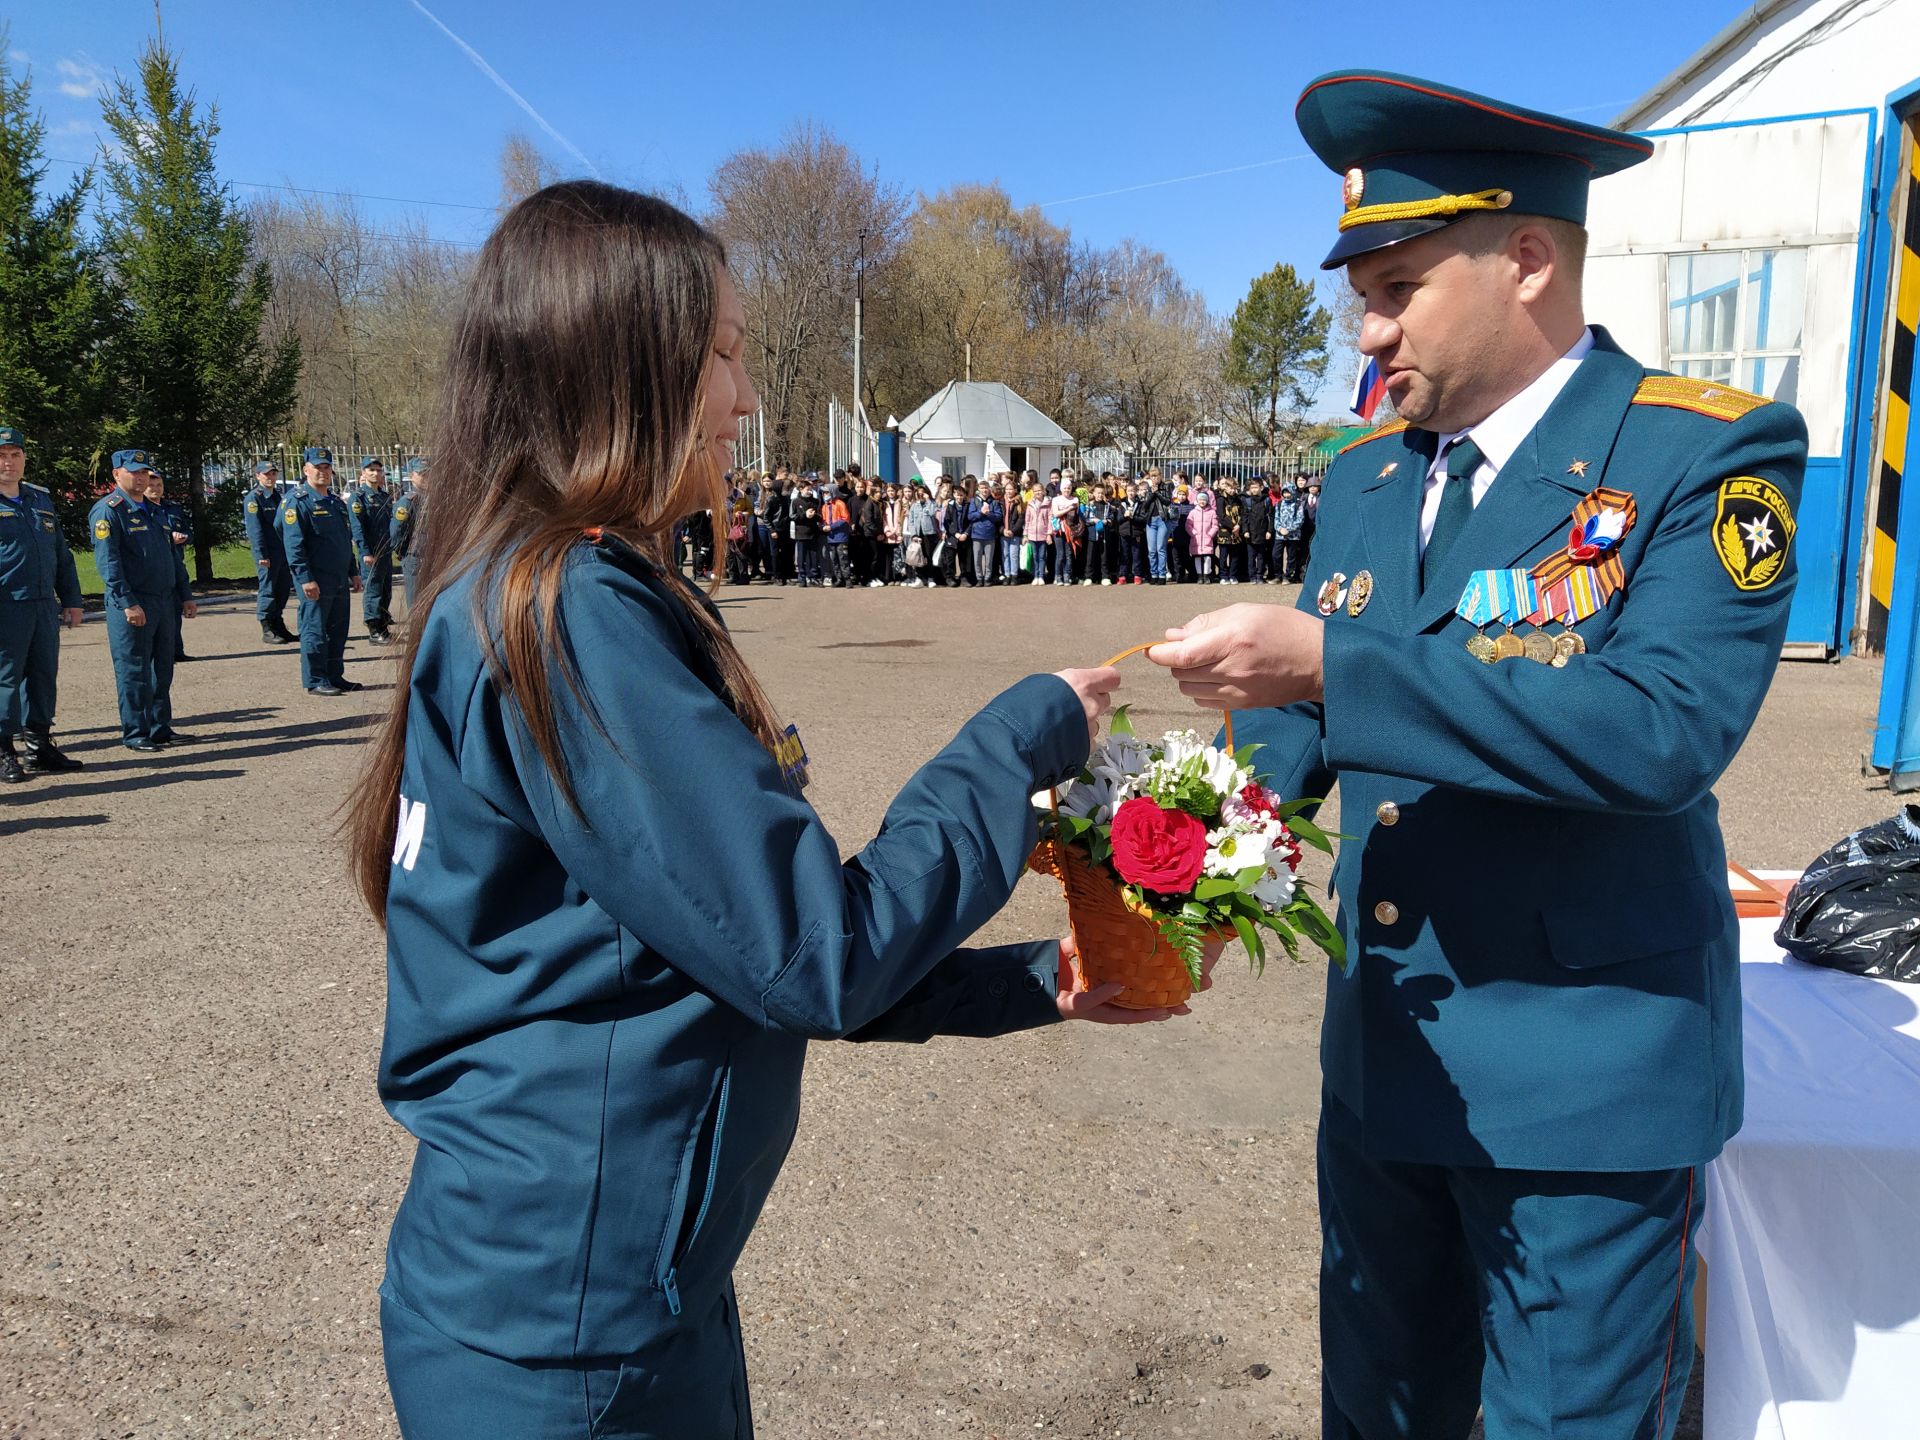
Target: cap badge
[(1353, 186)]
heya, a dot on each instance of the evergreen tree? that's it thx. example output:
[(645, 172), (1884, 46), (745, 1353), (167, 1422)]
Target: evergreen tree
[(1276, 351), (50, 313), (195, 371)]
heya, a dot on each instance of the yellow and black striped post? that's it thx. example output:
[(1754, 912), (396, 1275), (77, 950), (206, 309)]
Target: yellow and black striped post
[(1897, 409)]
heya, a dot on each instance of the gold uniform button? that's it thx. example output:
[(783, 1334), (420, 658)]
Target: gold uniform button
[(1387, 913), (1388, 813)]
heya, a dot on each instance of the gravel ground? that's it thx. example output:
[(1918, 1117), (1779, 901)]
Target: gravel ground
[(1081, 1232)]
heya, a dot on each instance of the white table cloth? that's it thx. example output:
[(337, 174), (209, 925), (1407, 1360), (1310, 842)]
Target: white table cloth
[(1811, 1235)]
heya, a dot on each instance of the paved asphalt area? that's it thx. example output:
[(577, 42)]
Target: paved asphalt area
[(1079, 1232)]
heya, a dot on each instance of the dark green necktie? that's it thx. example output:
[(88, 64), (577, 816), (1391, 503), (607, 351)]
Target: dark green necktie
[(1456, 505)]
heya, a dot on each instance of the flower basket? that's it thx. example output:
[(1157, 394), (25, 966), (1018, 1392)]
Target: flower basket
[(1167, 845), (1117, 940)]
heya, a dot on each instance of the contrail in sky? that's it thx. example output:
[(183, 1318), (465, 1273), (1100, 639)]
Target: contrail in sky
[(1176, 180), (513, 94)]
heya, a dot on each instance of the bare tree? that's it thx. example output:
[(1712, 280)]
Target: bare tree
[(793, 219), (1156, 344), (373, 310), (524, 168)]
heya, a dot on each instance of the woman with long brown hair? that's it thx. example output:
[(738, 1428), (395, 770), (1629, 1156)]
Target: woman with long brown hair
[(613, 921)]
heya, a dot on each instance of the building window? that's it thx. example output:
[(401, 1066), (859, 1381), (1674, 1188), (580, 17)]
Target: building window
[(1734, 316), (952, 467)]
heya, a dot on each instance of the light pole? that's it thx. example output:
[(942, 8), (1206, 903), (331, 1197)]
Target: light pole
[(859, 297)]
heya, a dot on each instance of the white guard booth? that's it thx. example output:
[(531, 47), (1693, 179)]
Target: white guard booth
[(975, 427)]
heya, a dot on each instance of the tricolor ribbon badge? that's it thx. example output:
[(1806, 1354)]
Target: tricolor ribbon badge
[(1600, 533)]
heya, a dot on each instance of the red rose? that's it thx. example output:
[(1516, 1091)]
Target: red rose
[(1158, 850)]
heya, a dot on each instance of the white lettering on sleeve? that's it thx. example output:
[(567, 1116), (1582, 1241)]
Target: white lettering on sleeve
[(411, 830)]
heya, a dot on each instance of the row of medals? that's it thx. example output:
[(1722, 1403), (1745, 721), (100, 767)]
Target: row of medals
[(1536, 645)]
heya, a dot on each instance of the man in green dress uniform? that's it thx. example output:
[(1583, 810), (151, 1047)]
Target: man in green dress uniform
[(1543, 608)]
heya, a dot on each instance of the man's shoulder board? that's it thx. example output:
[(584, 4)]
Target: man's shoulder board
[(1392, 427), (116, 499), (41, 488), (1703, 397)]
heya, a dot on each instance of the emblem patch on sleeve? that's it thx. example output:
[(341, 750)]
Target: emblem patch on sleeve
[(291, 516), (1752, 530), (101, 529)]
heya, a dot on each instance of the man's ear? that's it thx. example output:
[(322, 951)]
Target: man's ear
[(1534, 254)]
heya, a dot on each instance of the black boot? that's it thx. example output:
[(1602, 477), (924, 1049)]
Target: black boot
[(268, 634), (46, 757), (10, 771)]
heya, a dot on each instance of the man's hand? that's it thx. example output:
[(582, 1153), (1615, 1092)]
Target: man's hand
[(354, 581), (135, 615), (71, 615), (189, 610), (311, 589), (178, 538), (265, 564), (1245, 657)]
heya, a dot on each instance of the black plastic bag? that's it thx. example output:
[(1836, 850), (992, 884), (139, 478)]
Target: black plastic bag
[(1858, 906)]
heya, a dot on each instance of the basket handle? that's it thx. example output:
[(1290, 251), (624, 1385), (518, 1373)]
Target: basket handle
[(1226, 715), (1053, 795)]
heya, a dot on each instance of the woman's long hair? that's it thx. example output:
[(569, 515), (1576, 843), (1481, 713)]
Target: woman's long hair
[(572, 404)]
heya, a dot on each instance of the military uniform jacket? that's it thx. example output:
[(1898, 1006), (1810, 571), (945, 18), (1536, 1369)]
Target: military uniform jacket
[(1534, 895), (319, 539), (406, 516), (262, 514), (35, 563), (177, 519), (596, 1020), (372, 513), (134, 551)]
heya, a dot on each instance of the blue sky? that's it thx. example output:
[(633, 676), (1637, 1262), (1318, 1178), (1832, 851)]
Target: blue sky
[(1062, 103)]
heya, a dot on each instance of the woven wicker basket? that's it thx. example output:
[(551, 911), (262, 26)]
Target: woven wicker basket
[(1116, 941)]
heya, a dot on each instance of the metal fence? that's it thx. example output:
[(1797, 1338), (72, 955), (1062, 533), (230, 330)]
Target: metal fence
[(1200, 463), (850, 439), (237, 465)]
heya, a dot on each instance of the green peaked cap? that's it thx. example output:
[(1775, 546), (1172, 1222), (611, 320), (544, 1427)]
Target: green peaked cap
[(1415, 155)]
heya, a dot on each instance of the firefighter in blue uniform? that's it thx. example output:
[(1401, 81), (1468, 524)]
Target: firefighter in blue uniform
[(179, 527), (371, 510), (1543, 609), (147, 595), (407, 510), (319, 540), (39, 588), (269, 547)]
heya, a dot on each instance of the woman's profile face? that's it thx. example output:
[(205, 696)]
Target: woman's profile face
[(730, 396)]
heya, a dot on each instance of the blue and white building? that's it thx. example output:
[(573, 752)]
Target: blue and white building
[(1773, 242)]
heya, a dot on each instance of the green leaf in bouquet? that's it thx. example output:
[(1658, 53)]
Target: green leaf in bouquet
[(1313, 923), (1311, 833), (1243, 757), (1120, 724), (1213, 887), (1249, 877), (1250, 938), (1073, 827), (1187, 941)]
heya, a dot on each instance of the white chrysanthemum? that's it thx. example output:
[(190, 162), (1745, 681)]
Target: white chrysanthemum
[(1275, 888), (1177, 747), (1233, 849), (1121, 756), (1094, 799)]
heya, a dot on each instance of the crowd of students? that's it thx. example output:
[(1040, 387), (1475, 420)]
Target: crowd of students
[(1011, 529)]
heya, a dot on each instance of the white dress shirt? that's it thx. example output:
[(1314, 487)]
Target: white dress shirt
[(1500, 434)]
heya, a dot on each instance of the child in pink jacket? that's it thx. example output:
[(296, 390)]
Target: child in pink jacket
[(1203, 525)]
